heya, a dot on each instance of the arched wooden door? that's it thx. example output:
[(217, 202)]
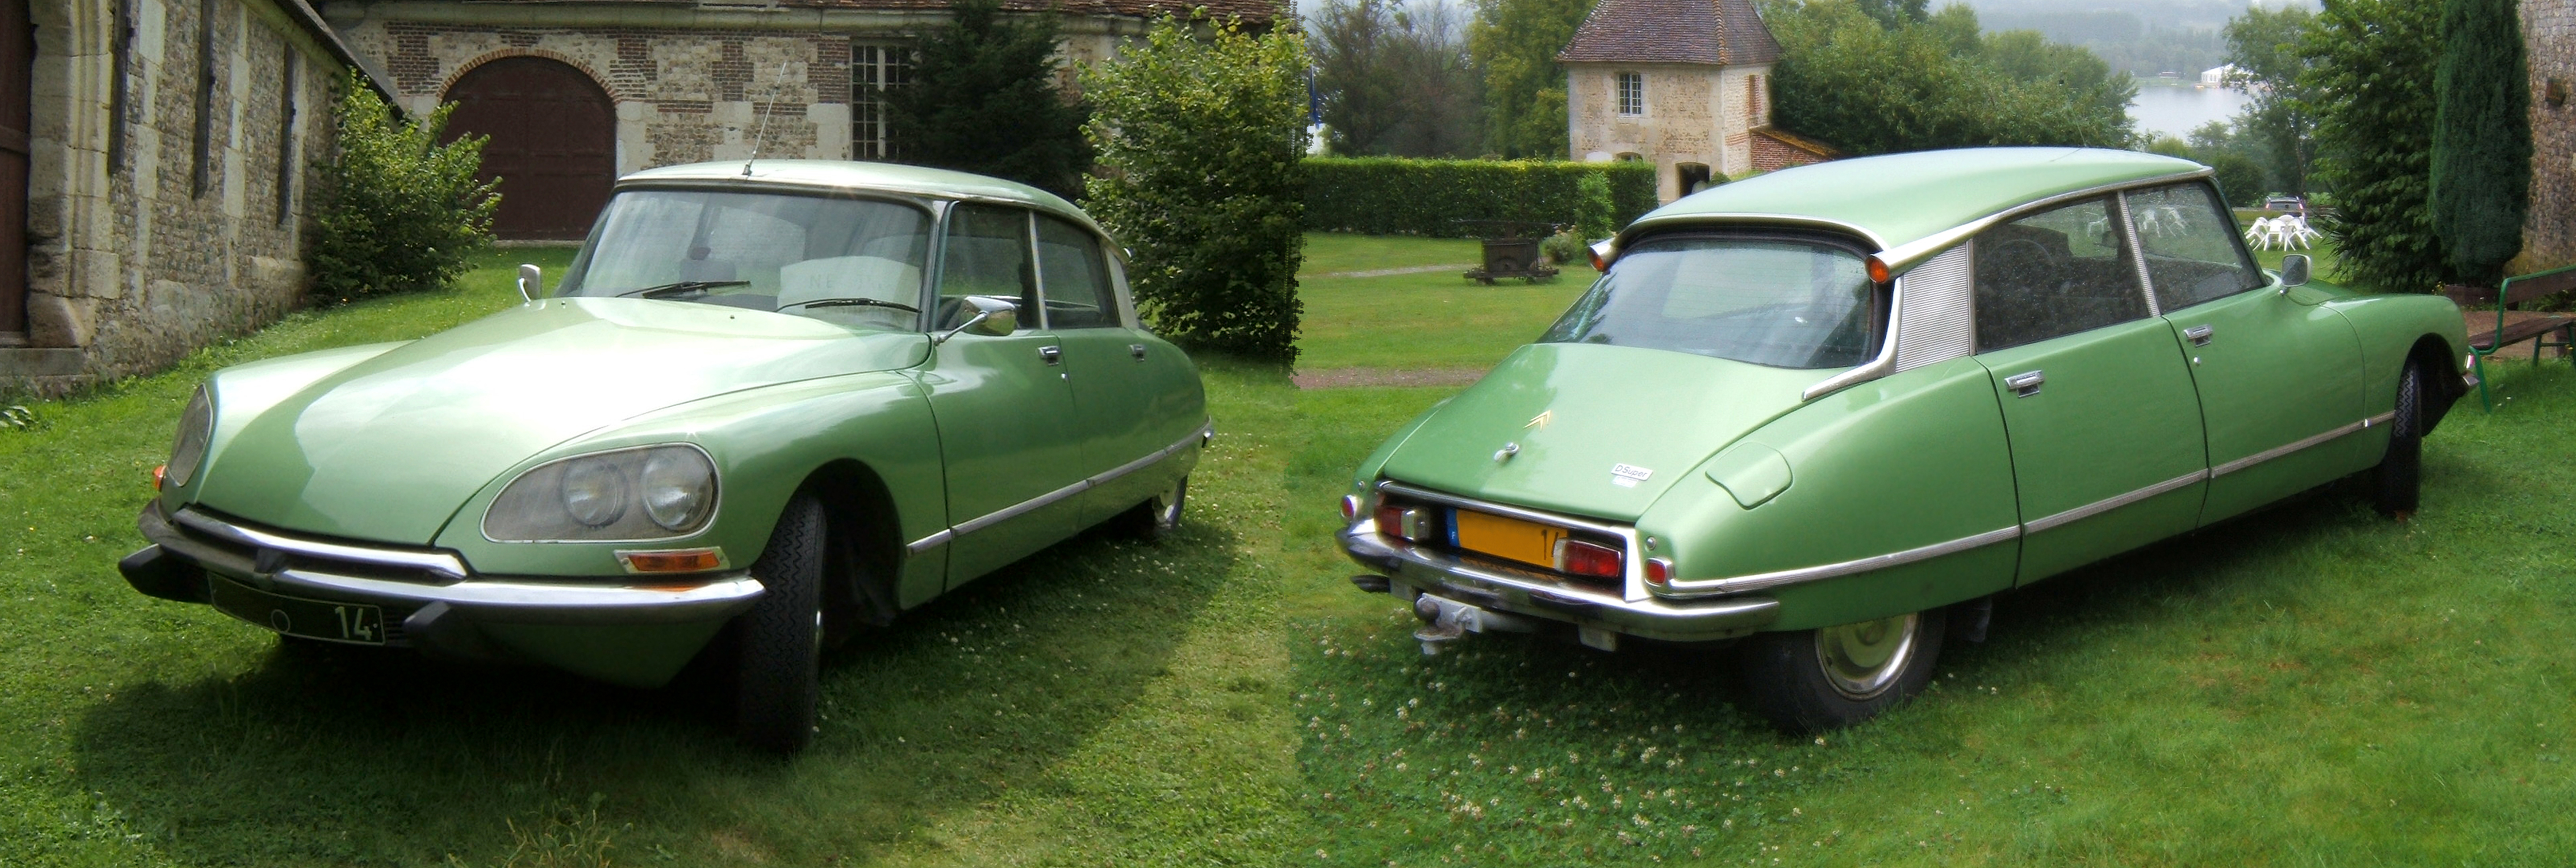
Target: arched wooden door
[(17, 58), (554, 143)]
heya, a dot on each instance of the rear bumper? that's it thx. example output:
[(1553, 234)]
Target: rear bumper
[(1412, 569), (434, 603)]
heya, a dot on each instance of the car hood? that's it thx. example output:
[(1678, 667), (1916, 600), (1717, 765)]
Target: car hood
[(388, 448), (1597, 431)]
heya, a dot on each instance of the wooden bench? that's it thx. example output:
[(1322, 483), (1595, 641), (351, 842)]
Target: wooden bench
[(2537, 329)]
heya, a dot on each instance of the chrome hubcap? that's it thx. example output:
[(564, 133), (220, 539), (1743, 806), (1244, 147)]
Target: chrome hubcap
[(1863, 660)]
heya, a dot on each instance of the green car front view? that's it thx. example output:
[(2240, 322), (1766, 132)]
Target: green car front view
[(1827, 413), (774, 404)]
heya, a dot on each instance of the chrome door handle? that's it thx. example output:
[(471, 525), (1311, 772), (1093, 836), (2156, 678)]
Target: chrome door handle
[(2026, 383), (2198, 334), (1137, 350), (1052, 355)]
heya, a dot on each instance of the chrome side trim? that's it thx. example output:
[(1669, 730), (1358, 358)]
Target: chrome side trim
[(1903, 256), (498, 601), (2303, 443), (1878, 366), (1687, 589), (436, 563), (2107, 504), (1206, 432), (2137, 252)]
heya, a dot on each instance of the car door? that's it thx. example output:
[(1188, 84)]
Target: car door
[(1002, 402), (1133, 393), (2098, 405), (2279, 375)]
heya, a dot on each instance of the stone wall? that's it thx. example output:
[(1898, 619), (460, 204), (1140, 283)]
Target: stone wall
[(2549, 40), (1694, 114), (146, 241)]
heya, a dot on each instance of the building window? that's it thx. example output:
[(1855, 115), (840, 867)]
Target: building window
[(875, 69), (1632, 93)]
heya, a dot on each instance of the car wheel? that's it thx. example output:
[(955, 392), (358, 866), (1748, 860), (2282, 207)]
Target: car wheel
[(1832, 677), (778, 660), (2400, 477), (1157, 517)]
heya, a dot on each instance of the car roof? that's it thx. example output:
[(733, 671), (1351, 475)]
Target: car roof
[(1896, 199), (852, 175)]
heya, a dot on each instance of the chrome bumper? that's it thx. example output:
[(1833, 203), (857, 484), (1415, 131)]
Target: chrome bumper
[(1528, 592), (416, 581)]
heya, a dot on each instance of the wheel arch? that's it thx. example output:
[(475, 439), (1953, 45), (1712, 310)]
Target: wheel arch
[(860, 515)]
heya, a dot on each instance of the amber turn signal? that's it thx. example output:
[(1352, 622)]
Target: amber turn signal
[(672, 561), (160, 476), (1878, 272)]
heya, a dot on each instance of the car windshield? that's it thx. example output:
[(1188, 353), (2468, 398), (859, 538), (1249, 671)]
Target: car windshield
[(1781, 302), (850, 261)]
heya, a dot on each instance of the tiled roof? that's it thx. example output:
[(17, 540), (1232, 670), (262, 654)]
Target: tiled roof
[(1722, 32)]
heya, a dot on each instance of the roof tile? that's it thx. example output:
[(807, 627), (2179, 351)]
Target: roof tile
[(1718, 32)]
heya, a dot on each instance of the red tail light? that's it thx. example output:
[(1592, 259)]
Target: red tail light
[(1658, 571), (1589, 559), (1410, 522), (1350, 507)]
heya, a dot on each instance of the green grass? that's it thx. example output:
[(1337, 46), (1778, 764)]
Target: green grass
[(2308, 685), (1336, 252)]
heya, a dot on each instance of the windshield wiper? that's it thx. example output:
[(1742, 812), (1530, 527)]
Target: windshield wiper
[(681, 287), (852, 302)]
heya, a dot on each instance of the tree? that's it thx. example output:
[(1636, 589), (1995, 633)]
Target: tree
[(398, 212), (1395, 81), (984, 99), (2481, 139), (2262, 44), (1867, 88), (1514, 43), (1896, 13), (2371, 70), (1199, 140)]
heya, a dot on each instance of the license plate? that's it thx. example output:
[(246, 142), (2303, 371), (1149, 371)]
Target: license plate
[(1525, 541), (294, 616)]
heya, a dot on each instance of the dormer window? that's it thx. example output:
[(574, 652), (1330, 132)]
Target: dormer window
[(1632, 94)]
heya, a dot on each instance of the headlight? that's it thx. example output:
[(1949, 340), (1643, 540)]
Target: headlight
[(645, 493), (196, 427)]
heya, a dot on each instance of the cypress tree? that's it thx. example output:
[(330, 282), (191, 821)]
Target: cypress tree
[(2481, 139), (983, 99)]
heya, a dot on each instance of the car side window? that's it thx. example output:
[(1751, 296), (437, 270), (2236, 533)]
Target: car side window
[(2053, 273), (987, 254), (2192, 249), (1073, 275)]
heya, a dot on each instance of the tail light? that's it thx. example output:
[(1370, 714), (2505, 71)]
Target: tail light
[(1577, 557), (1413, 523), (1659, 571), (1350, 507)]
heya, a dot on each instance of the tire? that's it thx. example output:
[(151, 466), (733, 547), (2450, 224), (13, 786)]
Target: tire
[(1156, 518), (1833, 677), (2399, 482), (778, 659)]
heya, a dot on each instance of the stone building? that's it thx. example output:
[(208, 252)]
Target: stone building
[(577, 92), (155, 157), (1684, 84), (2549, 42)]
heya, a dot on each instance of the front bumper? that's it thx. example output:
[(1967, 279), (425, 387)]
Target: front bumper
[(1411, 569), (432, 601)]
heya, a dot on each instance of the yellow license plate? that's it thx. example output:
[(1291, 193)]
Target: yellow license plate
[(1525, 541)]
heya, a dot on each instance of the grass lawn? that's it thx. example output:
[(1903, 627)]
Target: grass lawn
[(2309, 685)]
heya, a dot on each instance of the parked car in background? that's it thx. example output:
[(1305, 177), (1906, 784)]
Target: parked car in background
[(1826, 412), (2287, 204), (770, 402)]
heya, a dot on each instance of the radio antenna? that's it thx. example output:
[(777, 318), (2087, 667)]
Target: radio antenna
[(760, 131)]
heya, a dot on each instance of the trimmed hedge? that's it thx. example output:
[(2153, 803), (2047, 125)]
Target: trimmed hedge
[(1399, 196)]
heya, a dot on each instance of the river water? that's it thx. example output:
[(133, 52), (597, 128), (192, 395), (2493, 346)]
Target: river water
[(2176, 111)]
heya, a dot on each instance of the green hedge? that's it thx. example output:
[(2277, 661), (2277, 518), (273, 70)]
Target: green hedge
[(1397, 196)]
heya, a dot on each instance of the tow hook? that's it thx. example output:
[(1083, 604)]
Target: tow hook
[(1445, 620)]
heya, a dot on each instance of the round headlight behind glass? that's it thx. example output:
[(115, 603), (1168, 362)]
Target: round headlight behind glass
[(678, 487), (594, 492), (196, 427)]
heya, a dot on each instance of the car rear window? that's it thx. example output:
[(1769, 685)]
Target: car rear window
[(1784, 302)]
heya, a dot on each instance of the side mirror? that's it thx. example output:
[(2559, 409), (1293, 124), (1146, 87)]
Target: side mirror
[(2294, 270), (531, 281), (992, 317)]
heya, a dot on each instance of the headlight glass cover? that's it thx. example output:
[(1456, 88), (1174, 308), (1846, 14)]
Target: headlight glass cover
[(643, 493), (196, 429)]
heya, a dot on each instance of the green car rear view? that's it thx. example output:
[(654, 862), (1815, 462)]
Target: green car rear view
[(1827, 412), (772, 402)]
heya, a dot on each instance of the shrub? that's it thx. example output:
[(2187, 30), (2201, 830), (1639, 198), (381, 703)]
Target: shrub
[(396, 211), (2371, 65), (2481, 139), (1394, 196), (1199, 140), (983, 99), (1562, 247)]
